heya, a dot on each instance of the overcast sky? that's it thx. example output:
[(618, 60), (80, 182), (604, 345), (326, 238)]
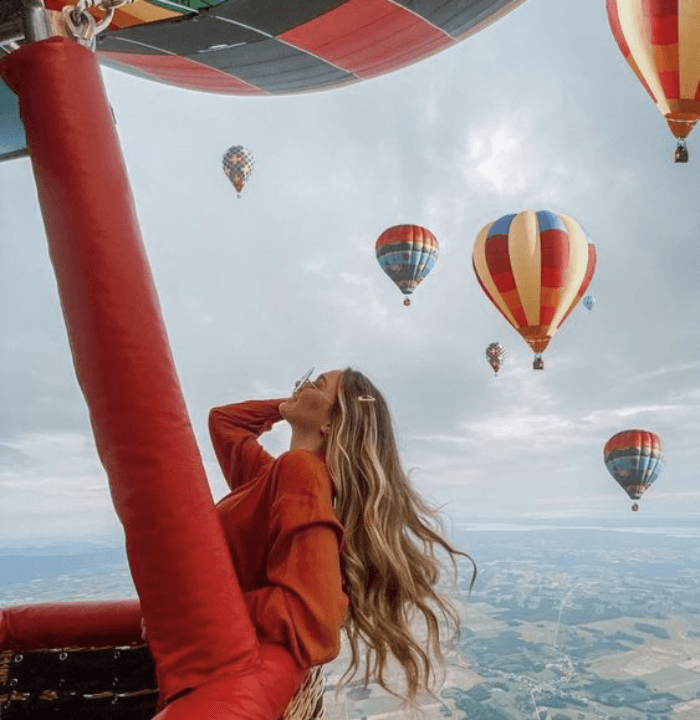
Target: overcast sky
[(538, 111)]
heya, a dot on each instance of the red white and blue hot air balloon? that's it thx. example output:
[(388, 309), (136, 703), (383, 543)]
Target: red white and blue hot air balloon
[(635, 459), (407, 253)]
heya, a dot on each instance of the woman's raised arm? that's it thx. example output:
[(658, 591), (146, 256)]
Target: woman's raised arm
[(234, 431)]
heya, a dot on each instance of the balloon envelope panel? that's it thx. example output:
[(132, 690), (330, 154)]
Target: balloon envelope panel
[(635, 459), (248, 47)]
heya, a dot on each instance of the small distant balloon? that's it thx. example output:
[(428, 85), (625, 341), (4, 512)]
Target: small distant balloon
[(495, 355), (589, 302), (238, 163), (635, 459), (407, 253)]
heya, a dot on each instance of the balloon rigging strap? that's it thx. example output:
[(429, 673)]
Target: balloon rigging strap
[(82, 26), (73, 21)]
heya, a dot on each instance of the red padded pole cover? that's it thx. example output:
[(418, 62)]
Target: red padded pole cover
[(70, 624), (196, 619)]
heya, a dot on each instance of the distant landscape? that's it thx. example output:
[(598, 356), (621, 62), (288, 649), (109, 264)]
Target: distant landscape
[(578, 621), (64, 570), (595, 622)]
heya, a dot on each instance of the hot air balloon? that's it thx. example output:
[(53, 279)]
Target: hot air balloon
[(407, 254), (634, 458), (534, 267), (589, 302), (238, 163), (495, 355), (660, 41)]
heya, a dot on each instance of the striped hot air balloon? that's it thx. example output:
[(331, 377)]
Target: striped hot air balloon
[(660, 39), (407, 253), (534, 267), (635, 459)]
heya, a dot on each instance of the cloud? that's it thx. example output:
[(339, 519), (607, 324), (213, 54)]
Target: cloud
[(501, 153), (612, 416), (256, 290), (448, 439), (52, 484), (678, 368), (51, 448), (40, 467), (694, 494)]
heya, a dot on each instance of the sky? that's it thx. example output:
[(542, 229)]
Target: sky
[(537, 111)]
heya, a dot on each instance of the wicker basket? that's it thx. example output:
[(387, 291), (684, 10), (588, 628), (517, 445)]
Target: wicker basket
[(94, 683), (307, 704)]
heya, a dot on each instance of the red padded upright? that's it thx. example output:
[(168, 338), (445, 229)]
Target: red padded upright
[(198, 627)]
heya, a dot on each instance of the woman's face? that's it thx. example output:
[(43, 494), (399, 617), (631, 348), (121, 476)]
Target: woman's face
[(310, 405)]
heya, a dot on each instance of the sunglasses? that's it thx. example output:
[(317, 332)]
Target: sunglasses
[(299, 384)]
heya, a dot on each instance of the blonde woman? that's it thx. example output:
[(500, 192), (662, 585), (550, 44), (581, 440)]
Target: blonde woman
[(331, 535)]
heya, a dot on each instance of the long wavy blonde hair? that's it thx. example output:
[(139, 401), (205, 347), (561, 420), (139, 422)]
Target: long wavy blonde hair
[(390, 569)]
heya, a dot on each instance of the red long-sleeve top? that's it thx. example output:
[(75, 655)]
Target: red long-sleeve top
[(284, 537)]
